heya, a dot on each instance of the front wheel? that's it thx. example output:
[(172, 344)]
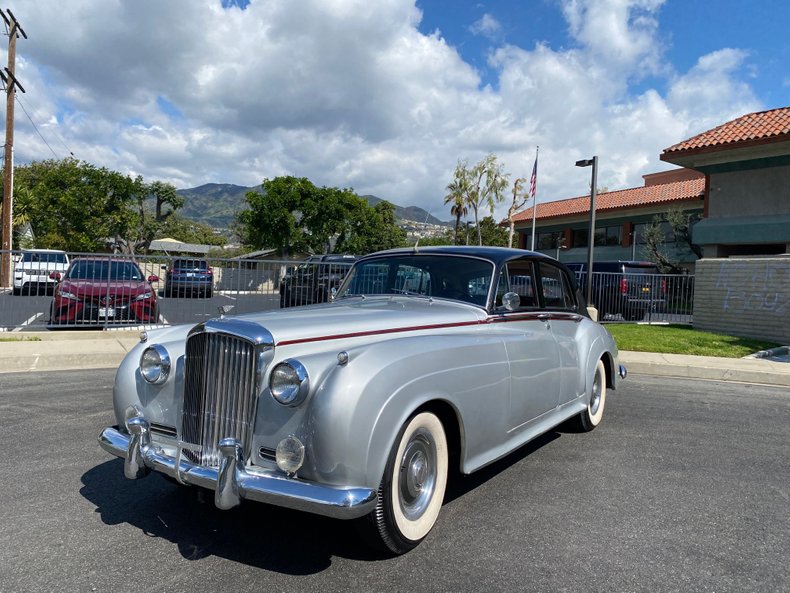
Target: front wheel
[(412, 490), (593, 414)]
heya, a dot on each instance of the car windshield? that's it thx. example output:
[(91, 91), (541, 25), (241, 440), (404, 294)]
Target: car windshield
[(104, 270), (452, 277)]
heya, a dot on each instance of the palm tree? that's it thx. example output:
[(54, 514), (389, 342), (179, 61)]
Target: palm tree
[(457, 197)]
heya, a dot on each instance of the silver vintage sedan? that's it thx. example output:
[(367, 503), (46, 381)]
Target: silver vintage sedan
[(426, 359)]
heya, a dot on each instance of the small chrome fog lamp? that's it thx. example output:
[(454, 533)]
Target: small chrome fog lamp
[(289, 383), (155, 364), (290, 455)]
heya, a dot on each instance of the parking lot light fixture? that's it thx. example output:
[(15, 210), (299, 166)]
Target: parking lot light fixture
[(591, 235)]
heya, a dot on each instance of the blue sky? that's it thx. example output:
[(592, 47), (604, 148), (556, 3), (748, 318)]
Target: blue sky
[(387, 96)]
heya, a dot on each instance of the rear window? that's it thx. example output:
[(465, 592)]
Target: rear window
[(640, 270), (52, 258), (191, 264)]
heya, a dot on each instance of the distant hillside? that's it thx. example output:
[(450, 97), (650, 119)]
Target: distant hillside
[(412, 213), (216, 204)]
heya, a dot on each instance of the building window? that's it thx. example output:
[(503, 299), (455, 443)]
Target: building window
[(610, 235), (548, 240), (580, 237)]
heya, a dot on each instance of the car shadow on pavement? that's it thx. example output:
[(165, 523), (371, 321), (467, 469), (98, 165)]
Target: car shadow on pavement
[(254, 534), (460, 484)]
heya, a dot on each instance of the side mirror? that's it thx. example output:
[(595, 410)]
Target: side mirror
[(55, 276), (153, 278), (164, 266), (511, 301)]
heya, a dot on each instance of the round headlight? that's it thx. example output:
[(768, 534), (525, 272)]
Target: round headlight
[(289, 383), (155, 364)]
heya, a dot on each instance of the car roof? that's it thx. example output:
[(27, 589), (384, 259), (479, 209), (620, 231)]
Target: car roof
[(43, 251), (497, 255)]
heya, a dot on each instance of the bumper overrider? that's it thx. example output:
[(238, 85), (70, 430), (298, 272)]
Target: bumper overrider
[(232, 481)]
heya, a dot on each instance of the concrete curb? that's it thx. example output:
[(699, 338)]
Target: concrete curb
[(742, 370), (61, 351)]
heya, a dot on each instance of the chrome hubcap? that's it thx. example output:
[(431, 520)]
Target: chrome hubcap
[(417, 475), (595, 400)]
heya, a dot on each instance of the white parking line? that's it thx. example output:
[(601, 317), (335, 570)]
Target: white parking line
[(28, 322)]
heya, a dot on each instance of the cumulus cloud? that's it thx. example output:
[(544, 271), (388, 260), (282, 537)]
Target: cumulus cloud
[(487, 26), (351, 93)]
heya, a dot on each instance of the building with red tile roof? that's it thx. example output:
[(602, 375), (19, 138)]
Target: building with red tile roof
[(746, 163), (562, 226), (734, 177)]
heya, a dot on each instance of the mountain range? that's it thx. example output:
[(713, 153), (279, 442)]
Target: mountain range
[(216, 204)]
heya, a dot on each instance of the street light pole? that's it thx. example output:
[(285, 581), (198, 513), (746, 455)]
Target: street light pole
[(591, 237)]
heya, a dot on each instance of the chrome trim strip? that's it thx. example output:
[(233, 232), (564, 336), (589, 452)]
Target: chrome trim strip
[(253, 483)]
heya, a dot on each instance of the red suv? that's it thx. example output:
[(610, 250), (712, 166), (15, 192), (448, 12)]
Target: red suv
[(96, 290)]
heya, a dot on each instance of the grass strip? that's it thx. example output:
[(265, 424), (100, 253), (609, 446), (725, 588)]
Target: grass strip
[(683, 339)]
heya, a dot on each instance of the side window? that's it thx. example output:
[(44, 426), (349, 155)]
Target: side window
[(555, 289), (518, 277)]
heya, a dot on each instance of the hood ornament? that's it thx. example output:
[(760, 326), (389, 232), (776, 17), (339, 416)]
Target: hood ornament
[(223, 309)]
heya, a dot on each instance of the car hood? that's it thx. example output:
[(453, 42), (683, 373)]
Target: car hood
[(95, 288), (354, 317), (347, 318)]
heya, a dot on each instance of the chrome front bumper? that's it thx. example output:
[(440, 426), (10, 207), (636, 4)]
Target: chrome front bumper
[(232, 481)]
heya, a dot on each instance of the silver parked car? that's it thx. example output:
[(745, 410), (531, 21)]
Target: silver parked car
[(426, 359)]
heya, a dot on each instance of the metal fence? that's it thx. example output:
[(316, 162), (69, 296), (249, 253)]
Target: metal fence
[(650, 298), (114, 291)]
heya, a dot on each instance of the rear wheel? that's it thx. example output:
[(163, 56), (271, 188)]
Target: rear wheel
[(412, 491), (593, 414)]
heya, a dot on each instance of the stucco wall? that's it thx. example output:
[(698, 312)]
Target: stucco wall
[(753, 192), (744, 297)]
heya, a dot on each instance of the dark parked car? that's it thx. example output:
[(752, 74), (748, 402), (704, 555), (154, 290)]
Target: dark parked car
[(628, 288), (189, 276), (312, 281), (98, 290)]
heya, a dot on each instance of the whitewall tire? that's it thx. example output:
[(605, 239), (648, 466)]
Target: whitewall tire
[(412, 490)]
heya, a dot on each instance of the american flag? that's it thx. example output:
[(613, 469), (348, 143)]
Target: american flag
[(533, 180)]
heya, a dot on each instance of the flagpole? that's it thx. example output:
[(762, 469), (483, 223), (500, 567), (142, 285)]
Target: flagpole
[(534, 188)]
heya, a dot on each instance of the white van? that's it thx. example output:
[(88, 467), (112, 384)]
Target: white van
[(34, 267)]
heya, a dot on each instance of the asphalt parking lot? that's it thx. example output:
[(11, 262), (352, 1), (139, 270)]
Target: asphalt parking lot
[(684, 487)]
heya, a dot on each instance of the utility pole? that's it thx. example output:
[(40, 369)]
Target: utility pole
[(11, 83)]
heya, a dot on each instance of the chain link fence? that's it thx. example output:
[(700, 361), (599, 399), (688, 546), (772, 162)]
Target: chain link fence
[(651, 298)]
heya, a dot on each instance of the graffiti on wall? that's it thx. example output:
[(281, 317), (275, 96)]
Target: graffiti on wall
[(751, 286)]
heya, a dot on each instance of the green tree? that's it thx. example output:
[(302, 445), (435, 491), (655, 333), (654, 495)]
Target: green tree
[(491, 233), (519, 200), (76, 206), (483, 186), (292, 215), (456, 196), (681, 222)]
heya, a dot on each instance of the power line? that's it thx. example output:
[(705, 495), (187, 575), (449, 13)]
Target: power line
[(36, 129)]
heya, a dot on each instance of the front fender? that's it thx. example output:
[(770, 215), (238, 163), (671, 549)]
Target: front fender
[(359, 408)]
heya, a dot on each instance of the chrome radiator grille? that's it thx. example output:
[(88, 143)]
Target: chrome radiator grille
[(220, 393)]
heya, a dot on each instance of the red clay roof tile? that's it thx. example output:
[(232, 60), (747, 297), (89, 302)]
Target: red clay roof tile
[(770, 126), (626, 198)]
